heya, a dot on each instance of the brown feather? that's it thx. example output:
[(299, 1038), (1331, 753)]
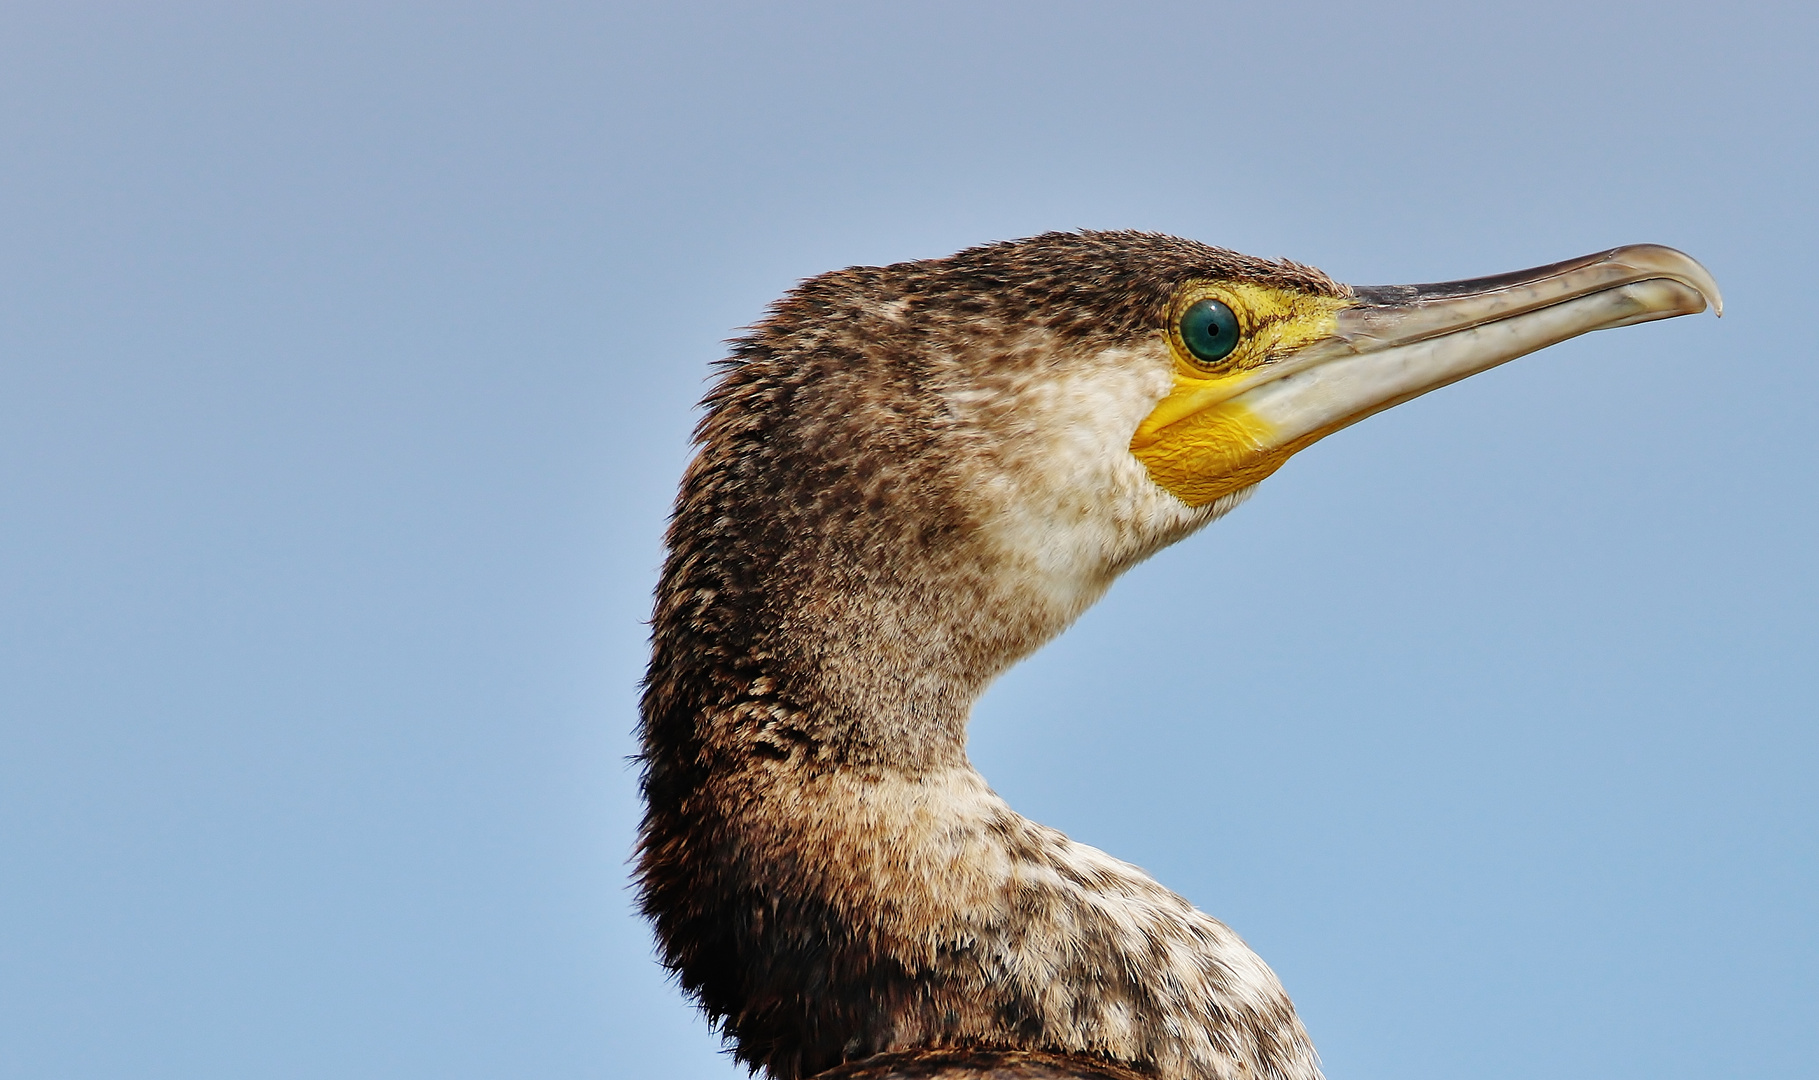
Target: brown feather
[(826, 874), (976, 1064)]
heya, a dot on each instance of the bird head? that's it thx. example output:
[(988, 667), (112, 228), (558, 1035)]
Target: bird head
[(912, 475)]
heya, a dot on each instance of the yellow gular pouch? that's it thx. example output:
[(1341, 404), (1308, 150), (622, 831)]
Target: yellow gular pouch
[(1198, 443)]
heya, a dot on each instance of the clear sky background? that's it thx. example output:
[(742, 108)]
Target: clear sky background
[(348, 355)]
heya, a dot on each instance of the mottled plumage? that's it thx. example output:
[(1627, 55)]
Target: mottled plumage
[(976, 1064), (907, 479), (825, 870)]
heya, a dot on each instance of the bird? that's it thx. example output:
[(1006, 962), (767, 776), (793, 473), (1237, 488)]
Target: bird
[(906, 479)]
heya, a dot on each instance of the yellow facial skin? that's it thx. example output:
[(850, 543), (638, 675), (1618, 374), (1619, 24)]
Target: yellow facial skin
[(1198, 443)]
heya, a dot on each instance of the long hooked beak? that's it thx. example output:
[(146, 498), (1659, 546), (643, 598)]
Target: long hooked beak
[(1399, 341), (1403, 340)]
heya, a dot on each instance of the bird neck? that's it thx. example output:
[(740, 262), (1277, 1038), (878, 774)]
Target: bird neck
[(799, 644), (827, 874), (830, 877)]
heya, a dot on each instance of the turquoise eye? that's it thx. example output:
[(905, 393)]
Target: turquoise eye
[(1209, 330)]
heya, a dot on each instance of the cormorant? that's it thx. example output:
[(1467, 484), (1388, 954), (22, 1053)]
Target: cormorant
[(911, 476)]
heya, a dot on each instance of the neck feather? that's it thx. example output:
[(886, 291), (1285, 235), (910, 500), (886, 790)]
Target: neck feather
[(832, 883), (826, 872), (827, 915)]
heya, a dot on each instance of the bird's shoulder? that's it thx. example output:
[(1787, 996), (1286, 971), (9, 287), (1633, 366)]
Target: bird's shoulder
[(964, 1063)]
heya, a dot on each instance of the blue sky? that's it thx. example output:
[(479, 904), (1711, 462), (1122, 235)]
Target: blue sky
[(348, 356)]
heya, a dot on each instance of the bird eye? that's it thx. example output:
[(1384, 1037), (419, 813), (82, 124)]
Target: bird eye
[(1209, 330)]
